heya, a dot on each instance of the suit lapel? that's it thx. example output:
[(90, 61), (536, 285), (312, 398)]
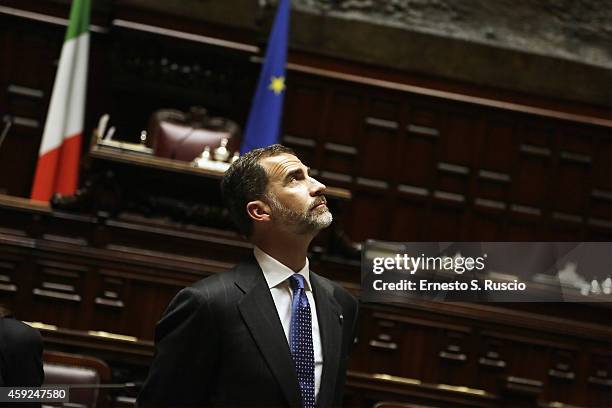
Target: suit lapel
[(261, 317), (330, 327)]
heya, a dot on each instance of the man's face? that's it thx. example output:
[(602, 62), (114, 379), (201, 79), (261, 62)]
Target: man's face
[(296, 199)]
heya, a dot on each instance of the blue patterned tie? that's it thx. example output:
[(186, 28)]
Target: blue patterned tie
[(302, 350)]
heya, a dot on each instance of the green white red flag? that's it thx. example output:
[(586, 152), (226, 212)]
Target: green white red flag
[(58, 158)]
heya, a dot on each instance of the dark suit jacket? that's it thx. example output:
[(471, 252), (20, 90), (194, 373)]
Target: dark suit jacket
[(221, 343), (21, 362)]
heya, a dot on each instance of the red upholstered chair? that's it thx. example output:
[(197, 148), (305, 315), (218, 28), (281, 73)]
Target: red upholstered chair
[(183, 136), (78, 370)]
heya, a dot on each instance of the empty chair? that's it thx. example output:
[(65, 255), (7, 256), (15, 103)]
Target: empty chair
[(84, 373)]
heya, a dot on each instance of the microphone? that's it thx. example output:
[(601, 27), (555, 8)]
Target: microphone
[(8, 122), (118, 386)]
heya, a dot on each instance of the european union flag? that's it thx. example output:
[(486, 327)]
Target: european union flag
[(263, 125)]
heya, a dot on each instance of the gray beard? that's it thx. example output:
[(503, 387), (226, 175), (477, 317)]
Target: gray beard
[(300, 223)]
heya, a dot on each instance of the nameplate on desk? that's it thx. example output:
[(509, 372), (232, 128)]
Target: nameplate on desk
[(131, 147)]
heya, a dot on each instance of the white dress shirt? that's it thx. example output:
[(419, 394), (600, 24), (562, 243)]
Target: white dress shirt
[(277, 276)]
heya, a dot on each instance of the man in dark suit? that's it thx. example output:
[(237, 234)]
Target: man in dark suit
[(21, 351), (270, 332)]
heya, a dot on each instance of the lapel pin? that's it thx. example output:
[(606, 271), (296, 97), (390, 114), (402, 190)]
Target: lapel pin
[(341, 318)]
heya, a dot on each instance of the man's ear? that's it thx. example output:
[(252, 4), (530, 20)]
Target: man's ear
[(258, 210)]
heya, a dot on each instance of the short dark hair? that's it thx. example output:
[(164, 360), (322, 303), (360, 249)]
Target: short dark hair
[(246, 181)]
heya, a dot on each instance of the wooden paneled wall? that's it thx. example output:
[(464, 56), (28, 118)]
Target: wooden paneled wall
[(451, 170), (549, 357), (25, 94)]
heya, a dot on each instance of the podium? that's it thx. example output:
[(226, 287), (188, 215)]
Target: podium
[(126, 180)]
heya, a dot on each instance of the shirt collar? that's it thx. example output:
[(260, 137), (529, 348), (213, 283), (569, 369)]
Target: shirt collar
[(277, 273)]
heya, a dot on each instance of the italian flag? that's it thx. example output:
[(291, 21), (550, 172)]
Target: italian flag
[(58, 159)]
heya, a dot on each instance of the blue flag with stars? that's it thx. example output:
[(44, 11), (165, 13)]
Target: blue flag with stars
[(263, 125)]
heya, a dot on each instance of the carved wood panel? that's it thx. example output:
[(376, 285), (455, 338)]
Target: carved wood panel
[(480, 172)]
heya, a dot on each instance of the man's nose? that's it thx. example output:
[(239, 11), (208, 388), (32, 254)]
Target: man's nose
[(317, 188)]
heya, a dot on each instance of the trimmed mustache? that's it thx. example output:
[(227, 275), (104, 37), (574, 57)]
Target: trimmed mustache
[(318, 202)]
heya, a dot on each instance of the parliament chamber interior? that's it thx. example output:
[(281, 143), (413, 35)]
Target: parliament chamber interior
[(428, 121)]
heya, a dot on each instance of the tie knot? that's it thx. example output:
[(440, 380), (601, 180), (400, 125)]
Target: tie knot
[(297, 281)]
